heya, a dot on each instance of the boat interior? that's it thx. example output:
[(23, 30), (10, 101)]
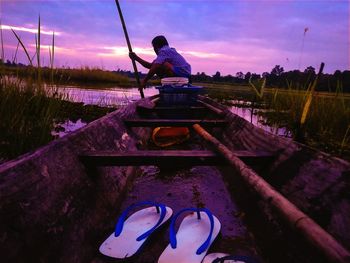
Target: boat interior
[(60, 202)]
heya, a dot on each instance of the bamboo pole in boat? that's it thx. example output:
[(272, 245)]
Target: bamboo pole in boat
[(130, 49), (316, 235)]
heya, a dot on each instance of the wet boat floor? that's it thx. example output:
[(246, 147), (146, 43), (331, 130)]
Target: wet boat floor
[(200, 186)]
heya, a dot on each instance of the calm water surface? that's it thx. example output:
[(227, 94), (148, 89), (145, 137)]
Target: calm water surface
[(116, 97)]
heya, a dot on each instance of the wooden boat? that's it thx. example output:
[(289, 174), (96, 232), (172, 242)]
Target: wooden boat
[(58, 203)]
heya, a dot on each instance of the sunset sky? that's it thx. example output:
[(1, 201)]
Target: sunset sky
[(226, 36)]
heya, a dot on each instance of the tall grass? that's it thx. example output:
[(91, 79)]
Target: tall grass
[(324, 120), (259, 91), (83, 75), (320, 121), (30, 109), (37, 49), (2, 59), (23, 46), (26, 116), (27, 109)]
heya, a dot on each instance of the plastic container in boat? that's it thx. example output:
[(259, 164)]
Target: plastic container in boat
[(176, 94), (174, 81)]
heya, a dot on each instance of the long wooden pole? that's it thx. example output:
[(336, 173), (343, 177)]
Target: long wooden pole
[(130, 49), (317, 236)]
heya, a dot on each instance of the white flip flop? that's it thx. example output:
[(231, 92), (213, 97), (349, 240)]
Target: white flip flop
[(227, 258), (130, 234), (196, 233)]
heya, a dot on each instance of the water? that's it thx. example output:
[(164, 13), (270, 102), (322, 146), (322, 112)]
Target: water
[(111, 97), (116, 97), (258, 120), (69, 126)]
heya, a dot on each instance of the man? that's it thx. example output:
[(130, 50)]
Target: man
[(168, 63)]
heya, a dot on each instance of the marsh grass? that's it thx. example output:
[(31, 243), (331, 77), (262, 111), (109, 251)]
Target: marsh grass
[(325, 125), (83, 75), (30, 113), (321, 121), (327, 122), (29, 108), (26, 117)]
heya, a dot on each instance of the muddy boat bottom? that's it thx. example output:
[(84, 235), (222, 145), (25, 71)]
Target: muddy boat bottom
[(199, 186)]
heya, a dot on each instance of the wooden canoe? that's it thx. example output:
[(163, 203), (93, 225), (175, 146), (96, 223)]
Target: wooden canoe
[(59, 202)]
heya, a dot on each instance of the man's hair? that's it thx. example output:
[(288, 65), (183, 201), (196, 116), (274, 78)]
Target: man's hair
[(159, 42)]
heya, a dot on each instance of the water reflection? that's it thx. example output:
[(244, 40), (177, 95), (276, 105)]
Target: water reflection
[(110, 97), (257, 120)]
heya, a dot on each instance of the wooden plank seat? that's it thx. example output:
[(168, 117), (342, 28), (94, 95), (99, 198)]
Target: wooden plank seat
[(173, 122), (164, 157), (172, 110)]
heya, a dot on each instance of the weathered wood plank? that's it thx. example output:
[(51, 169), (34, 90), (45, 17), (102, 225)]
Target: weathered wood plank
[(172, 122), (45, 195), (110, 158), (211, 107), (172, 109), (299, 221)]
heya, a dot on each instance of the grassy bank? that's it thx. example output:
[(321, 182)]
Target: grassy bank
[(84, 75), (29, 113)]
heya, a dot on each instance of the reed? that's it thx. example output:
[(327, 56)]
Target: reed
[(23, 46), (2, 44), (37, 49), (259, 91)]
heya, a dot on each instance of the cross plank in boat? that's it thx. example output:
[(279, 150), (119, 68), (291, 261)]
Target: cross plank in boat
[(171, 108), (173, 122), (167, 157)]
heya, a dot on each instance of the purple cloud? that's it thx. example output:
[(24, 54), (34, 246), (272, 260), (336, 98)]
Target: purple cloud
[(228, 36)]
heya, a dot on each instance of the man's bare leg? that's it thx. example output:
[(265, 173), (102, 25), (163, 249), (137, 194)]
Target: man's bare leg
[(166, 70)]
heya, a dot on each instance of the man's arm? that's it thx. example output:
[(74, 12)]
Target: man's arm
[(153, 70), (144, 63)]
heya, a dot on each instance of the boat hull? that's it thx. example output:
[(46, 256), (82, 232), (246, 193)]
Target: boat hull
[(54, 207)]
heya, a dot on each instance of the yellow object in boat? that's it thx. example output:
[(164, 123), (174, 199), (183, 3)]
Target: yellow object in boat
[(166, 136)]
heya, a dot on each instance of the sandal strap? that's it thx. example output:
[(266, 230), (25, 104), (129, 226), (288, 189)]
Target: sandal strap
[(120, 223), (206, 243)]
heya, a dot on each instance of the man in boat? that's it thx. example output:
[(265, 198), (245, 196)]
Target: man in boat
[(169, 63)]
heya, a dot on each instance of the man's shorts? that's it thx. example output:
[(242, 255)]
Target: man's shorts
[(179, 72)]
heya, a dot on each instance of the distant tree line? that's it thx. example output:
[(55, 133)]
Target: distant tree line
[(277, 78)]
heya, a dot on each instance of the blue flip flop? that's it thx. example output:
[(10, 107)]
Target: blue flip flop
[(130, 233), (196, 233)]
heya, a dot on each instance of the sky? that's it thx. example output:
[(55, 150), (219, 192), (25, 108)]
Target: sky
[(226, 36)]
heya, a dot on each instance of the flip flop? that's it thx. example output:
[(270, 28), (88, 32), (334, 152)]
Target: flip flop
[(196, 233), (130, 234), (226, 258)]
